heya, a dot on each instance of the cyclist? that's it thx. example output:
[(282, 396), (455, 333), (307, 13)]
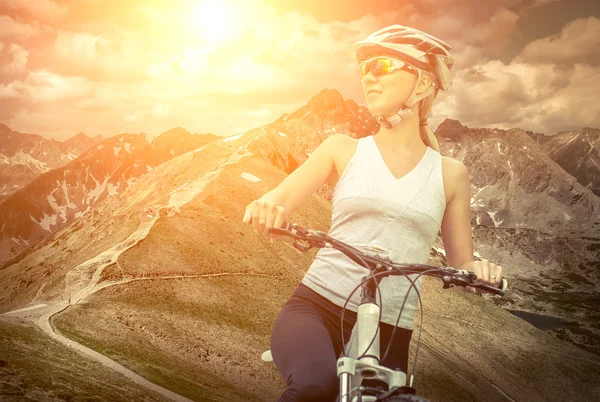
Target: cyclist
[(393, 192)]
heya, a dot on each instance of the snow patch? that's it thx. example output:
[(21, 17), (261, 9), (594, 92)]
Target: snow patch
[(235, 137), (282, 134), (96, 192), (502, 153), (21, 158), (112, 189), (116, 150), (100, 146), (60, 210), (46, 221), (64, 188), (127, 147), (250, 177), (493, 216), (567, 216)]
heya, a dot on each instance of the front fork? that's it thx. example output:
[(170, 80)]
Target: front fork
[(350, 370)]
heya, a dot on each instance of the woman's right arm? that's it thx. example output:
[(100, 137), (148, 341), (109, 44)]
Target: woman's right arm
[(270, 209)]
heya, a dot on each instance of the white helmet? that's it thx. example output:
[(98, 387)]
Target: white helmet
[(419, 49)]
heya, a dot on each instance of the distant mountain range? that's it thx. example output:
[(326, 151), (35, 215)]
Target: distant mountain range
[(161, 264), (23, 157), (57, 197)]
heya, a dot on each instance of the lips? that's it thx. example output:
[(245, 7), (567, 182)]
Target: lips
[(372, 92)]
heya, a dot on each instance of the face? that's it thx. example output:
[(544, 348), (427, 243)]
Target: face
[(386, 92)]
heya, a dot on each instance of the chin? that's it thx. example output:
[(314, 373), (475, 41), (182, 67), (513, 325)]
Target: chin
[(380, 108)]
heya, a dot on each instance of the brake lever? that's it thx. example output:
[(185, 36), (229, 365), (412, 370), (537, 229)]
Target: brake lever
[(454, 279)]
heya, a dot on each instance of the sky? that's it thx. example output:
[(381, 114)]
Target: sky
[(224, 67)]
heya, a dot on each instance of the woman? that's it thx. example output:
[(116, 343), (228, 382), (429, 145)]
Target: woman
[(393, 192)]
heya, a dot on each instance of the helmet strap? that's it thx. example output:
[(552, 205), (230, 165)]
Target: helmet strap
[(406, 110)]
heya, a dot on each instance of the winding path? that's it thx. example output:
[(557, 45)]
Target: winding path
[(83, 280)]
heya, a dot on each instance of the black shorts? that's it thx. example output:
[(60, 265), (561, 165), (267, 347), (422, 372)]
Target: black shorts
[(306, 343)]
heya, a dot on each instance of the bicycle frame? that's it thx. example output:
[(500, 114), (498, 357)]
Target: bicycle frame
[(361, 357)]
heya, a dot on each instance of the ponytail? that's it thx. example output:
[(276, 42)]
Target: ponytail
[(426, 133)]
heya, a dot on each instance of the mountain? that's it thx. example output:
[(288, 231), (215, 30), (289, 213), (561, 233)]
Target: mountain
[(165, 279), (59, 196), (23, 157), (578, 153), (537, 221)]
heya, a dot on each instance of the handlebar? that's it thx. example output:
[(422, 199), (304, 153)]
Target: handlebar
[(383, 266)]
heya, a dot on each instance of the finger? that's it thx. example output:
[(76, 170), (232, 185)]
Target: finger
[(278, 221), (262, 206), (493, 272), (485, 271), (247, 216), (498, 278), (269, 217)]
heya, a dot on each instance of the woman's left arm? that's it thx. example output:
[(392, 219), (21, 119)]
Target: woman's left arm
[(456, 228)]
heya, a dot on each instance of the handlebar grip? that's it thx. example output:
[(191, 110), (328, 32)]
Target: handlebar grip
[(496, 290)]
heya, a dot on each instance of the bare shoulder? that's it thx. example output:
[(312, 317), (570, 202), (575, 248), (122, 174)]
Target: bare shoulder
[(341, 148), (454, 167), (456, 177), (341, 139)]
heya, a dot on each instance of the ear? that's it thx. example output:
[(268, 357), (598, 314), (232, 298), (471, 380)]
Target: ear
[(424, 83)]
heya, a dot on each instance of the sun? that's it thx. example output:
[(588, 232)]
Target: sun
[(216, 21)]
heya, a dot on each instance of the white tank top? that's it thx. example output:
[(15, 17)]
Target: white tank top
[(399, 218)]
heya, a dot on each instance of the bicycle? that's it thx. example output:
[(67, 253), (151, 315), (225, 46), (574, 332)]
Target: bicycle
[(361, 356)]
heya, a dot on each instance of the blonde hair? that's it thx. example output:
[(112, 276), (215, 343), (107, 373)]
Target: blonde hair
[(426, 133)]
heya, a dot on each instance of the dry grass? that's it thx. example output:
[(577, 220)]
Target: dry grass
[(34, 367)]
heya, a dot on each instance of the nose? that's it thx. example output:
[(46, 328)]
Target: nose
[(368, 77)]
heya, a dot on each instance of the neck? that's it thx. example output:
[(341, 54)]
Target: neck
[(404, 137)]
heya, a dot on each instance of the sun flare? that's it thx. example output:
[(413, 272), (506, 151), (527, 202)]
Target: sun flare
[(216, 21)]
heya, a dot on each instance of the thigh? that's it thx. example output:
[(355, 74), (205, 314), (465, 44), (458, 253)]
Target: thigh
[(302, 348)]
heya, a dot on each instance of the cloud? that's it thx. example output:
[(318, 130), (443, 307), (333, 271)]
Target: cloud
[(41, 89), (43, 10), (100, 67), (13, 62), (577, 42), (13, 30), (541, 97)]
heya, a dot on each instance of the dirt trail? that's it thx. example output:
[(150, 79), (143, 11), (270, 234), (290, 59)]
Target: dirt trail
[(82, 281)]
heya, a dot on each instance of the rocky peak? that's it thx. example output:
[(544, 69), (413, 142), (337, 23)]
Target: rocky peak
[(450, 128), (174, 132), (328, 113), (578, 153)]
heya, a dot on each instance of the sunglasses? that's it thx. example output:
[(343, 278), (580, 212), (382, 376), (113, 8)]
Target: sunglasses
[(383, 65)]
